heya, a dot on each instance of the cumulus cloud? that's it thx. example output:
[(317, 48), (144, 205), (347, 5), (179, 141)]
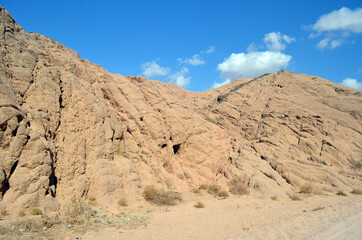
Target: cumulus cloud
[(252, 64), (195, 60), (352, 83), (180, 77), (275, 42), (342, 19), (151, 69), (336, 26)]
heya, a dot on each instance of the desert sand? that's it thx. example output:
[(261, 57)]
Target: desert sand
[(320, 217)]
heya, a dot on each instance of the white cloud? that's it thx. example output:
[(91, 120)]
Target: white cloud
[(252, 64), (336, 26), (343, 19), (195, 60), (328, 43), (151, 69), (336, 43), (252, 47), (323, 43), (211, 49), (352, 83), (216, 85), (179, 77), (276, 42)]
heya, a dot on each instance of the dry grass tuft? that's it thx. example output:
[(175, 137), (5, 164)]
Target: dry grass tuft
[(223, 194), (161, 197), (318, 208), (199, 205), (295, 197), (356, 191), (3, 212), (21, 213), (77, 213), (307, 188), (213, 189), (238, 187), (196, 190), (35, 211), (204, 186), (341, 193), (122, 202)]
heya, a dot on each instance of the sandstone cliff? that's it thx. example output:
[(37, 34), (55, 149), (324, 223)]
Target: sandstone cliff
[(70, 129)]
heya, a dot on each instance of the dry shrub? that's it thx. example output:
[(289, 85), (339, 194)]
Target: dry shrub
[(21, 213), (341, 193), (161, 197), (295, 197), (274, 198), (238, 187), (35, 211), (122, 202), (307, 188), (77, 213), (199, 205), (318, 208), (213, 189), (3, 212), (356, 191), (223, 194), (196, 190), (204, 186)]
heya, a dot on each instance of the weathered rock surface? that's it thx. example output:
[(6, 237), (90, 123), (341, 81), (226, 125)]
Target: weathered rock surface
[(69, 129)]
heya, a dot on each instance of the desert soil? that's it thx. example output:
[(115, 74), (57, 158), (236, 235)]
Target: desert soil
[(320, 217)]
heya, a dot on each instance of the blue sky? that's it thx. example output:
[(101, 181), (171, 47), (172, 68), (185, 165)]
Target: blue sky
[(201, 44)]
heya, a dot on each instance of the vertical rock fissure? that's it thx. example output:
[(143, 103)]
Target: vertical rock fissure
[(53, 180)]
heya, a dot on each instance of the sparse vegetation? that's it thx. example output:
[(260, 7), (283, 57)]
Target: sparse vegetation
[(213, 121), (355, 164), (122, 202), (199, 205), (341, 193), (213, 189), (161, 197), (295, 197), (318, 208), (238, 187), (223, 194), (307, 188), (274, 198), (35, 211), (77, 213), (196, 190), (21, 213), (356, 191), (3, 212)]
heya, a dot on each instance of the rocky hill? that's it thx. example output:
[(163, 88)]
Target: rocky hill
[(71, 130)]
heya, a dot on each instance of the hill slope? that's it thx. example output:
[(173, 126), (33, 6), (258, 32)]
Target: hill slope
[(70, 129)]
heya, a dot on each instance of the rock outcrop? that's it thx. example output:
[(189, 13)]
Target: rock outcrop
[(70, 129)]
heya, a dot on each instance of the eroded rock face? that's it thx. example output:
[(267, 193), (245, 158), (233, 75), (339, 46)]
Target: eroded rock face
[(69, 129)]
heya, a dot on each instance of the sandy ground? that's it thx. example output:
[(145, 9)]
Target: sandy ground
[(319, 217)]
